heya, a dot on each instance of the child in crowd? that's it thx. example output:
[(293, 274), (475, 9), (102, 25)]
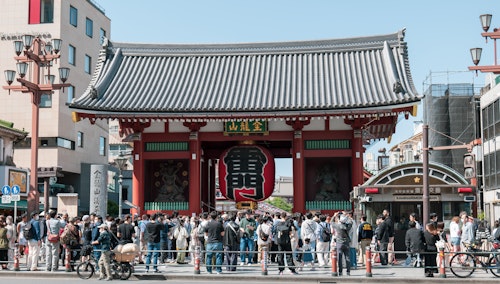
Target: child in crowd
[(307, 257)]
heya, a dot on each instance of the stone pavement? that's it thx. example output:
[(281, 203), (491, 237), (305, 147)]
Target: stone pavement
[(380, 274)]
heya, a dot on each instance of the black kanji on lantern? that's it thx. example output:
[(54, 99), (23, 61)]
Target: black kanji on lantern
[(245, 172)]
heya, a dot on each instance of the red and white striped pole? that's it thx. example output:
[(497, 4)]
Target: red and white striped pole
[(197, 252), (68, 259), (17, 255), (368, 259), (442, 271), (263, 260), (333, 258)]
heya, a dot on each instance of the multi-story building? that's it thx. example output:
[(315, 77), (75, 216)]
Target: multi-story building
[(489, 161), (70, 147)]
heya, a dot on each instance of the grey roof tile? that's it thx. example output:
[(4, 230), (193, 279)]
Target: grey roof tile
[(323, 76)]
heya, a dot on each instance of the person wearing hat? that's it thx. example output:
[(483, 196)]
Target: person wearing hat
[(104, 242)]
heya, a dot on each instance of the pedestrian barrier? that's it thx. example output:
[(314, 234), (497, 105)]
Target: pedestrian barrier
[(266, 265)]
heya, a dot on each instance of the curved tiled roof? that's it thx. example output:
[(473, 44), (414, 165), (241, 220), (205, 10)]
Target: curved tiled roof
[(316, 77)]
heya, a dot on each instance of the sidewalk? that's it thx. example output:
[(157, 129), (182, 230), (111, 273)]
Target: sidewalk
[(380, 274)]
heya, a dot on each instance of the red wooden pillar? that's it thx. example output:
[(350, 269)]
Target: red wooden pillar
[(138, 176), (357, 157), (299, 193), (194, 166)]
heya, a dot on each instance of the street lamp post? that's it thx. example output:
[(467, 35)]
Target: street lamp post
[(40, 56), (477, 51), (121, 163)]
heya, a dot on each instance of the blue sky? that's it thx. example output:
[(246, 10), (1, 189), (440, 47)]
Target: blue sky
[(439, 33)]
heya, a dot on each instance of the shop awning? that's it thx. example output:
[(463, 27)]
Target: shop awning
[(21, 205)]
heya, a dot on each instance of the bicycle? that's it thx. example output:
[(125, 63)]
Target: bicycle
[(119, 270), (463, 264)]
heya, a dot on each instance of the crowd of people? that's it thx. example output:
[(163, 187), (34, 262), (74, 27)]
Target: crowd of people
[(464, 231), (292, 241)]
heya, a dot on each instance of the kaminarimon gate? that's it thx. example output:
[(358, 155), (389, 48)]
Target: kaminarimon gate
[(198, 112)]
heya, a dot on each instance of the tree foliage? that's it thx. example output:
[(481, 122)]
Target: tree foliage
[(280, 203), (112, 208)]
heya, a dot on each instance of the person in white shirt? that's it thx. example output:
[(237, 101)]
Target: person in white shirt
[(308, 231), (455, 233), (467, 231), (264, 236)]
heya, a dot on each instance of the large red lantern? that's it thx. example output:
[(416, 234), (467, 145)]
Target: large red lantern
[(246, 173)]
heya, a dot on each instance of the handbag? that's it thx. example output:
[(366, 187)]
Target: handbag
[(53, 238)]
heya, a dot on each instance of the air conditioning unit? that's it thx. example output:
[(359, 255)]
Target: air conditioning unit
[(470, 198)]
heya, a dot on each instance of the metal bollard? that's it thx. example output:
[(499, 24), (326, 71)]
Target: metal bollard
[(333, 257), (263, 260), (68, 259), (197, 259), (368, 259), (442, 271), (17, 255)]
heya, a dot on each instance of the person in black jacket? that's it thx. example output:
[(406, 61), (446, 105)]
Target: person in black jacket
[(383, 233), (231, 242), (431, 236), (414, 240)]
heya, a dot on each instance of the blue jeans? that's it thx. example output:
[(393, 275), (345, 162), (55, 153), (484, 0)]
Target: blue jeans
[(352, 255), (211, 248), (153, 249), (97, 254), (244, 244)]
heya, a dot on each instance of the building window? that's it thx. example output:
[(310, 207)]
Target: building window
[(47, 11), (102, 35), (89, 27), (102, 146), (88, 64), (46, 101), (71, 55), (73, 16), (71, 93), (41, 12), (79, 139), (65, 143)]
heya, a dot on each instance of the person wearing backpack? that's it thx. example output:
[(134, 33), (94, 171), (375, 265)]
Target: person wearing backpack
[(324, 232), (284, 230), (34, 242), (365, 235)]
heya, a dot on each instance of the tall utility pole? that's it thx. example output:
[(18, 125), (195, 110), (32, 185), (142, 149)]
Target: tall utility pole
[(425, 174)]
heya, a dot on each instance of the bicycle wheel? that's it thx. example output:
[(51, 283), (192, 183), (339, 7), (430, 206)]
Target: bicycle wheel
[(494, 265), (85, 270), (462, 265), (116, 270), (126, 271)]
